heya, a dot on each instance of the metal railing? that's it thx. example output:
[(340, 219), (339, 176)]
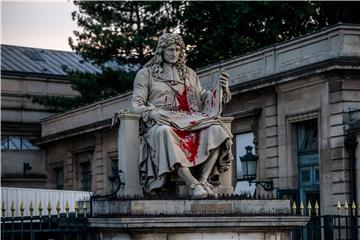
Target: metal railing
[(341, 226), (64, 225)]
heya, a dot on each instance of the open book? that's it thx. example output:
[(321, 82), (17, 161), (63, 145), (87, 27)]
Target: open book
[(212, 108)]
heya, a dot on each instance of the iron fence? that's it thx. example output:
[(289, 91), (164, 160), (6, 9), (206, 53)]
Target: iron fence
[(61, 227), (342, 226)]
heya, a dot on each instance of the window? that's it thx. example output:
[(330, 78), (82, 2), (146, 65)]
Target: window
[(85, 176), (243, 185), (59, 178), (16, 143), (242, 140)]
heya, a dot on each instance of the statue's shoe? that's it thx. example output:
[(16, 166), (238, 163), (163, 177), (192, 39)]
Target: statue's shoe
[(208, 188), (197, 191)]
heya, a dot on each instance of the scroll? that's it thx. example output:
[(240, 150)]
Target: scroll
[(212, 108)]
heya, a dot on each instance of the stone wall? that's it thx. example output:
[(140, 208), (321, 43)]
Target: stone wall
[(99, 148), (344, 94), (17, 108)]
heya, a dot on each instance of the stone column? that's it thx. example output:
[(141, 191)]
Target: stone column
[(128, 152), (226, 179)]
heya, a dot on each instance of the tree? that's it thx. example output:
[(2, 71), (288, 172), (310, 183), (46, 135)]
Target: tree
[(220, 31), (125, 31)]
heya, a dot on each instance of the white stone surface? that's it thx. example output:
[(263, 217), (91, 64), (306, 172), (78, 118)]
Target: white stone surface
[(128, 152), (157, 207)]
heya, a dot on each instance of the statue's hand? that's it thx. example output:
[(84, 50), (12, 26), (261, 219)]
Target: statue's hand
[(224, 80), (160, 117)]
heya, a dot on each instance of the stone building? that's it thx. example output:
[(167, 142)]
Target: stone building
[(26, 72), (297, 103)]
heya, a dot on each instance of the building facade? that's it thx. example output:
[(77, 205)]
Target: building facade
[(27, 72), (296, 103)]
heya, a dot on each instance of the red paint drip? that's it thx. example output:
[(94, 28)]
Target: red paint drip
[(182, 100), (193, 122), (189, 143)]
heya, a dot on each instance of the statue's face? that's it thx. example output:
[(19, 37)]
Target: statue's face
[(171, 53)]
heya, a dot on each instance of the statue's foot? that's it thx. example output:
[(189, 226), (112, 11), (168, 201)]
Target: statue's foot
[(197, 191), (208, 188)]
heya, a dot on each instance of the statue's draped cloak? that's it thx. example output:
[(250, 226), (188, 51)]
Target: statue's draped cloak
[(163, 146)]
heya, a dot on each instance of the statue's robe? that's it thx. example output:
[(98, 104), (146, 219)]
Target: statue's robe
[(163, 146)]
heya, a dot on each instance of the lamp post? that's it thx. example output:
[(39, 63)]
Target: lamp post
[(249, 167)]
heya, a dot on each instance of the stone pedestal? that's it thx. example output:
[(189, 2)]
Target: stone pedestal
[(195, 219)]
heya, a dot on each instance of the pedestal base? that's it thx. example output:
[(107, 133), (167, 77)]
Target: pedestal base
[(194, 219)]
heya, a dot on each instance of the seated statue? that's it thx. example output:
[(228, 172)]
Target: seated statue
[(182, 128)]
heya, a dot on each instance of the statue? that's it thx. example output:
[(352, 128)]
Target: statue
[(182, 128)]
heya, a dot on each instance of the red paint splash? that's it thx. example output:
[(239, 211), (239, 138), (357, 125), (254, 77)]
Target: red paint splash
[(193, 122), (189, 143), (183, 101)]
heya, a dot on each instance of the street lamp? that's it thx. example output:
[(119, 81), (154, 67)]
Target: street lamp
[(249, 163), (249, 167)]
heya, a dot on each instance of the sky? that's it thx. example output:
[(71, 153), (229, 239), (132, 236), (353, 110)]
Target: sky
[(40, 24)]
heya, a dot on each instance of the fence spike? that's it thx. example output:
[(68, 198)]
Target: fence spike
[(49, 209), (40, 209), (84, 208), (309, 208), (353, 207), (22, 209), (346, 206), (316, 208), (31, 208), (3, 209), (13, 208), (302, 208), (338, 206), (67, 208), (294, 208), (58, 208), (76, 207)]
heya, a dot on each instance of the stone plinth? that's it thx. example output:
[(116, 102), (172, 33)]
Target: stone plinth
[(186, 207), (195, 219)]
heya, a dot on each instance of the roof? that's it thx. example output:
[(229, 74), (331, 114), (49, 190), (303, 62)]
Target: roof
[(16, 60)]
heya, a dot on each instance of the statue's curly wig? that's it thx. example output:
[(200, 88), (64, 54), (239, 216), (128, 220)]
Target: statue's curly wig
[(165, 40)]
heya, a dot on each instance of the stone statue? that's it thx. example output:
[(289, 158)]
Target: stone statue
[(179, 134)]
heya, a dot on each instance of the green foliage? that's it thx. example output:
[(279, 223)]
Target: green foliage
[(126, 31), (220, 31), (217, 30)]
